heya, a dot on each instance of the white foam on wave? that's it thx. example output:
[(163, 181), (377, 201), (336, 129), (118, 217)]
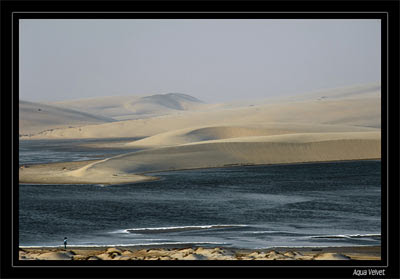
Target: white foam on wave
[(309, 247), (262, 232), (176, 228), (346, 236)]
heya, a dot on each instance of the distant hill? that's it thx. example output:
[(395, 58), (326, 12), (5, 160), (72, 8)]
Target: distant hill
[(135, 107), (37, 117)]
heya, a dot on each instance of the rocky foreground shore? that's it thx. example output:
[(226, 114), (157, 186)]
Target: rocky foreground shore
[(186, 254)]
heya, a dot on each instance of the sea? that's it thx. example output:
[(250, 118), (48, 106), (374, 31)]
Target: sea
[(329, 204)]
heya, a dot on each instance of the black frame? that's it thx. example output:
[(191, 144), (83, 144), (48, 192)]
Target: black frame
[(387, 11)]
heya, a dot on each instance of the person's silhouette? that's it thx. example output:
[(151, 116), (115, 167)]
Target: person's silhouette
[(65, 243)]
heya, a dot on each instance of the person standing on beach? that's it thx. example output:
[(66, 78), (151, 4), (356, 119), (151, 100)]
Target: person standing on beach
[(65, 242)]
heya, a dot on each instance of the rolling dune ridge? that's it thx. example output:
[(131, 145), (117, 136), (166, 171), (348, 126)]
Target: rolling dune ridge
[(355, 112), (292, 148), (343, 125)]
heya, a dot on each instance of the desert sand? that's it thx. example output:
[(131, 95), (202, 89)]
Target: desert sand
[(339, 110), (57, 173), (200, 253), (333, 125), (275, 149)]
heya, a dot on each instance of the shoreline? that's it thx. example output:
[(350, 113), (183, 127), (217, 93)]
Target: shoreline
[(137, 166), (40, 170), (197, 252)]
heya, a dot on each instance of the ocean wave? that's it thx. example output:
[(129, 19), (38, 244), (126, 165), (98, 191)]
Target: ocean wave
[(308, 246), (272, 232), (177, 229), (347, 236)]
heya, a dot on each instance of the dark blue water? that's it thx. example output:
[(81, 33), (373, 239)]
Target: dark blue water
[(60, 150), (318, 204)]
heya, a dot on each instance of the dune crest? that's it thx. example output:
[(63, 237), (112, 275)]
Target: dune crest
[(191, 135)]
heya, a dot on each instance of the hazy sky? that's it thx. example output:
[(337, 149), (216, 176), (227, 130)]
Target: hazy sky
[(213, 60)]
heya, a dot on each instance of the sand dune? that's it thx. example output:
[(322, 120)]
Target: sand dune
[(37, 117), (357, 106), (135, 107), (289, 148), (343, 127), (363, 112), (202, 134), (275, 149), (59, 173)]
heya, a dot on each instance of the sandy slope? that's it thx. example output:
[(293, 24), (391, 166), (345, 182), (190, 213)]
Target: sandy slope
[(59, 173), (353, 106), (362, 112), (289, 148), (192, 135), (37, 117), (339, 127), (275, 149)]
